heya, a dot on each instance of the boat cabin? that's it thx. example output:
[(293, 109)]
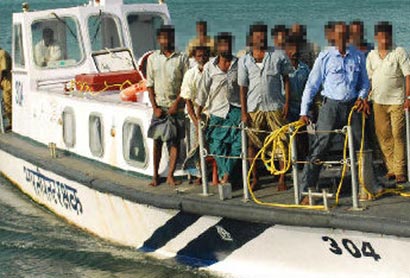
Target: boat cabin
[(69, 66)]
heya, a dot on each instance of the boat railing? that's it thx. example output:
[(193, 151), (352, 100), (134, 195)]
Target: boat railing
[(350, 160)]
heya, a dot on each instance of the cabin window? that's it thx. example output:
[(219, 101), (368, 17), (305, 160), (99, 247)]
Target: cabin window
[(18, 49), (133, 143), (143, 29), (96, 135), (56, 42), (68, 127), (104, 32)]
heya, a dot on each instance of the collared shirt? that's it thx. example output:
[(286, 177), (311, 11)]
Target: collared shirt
[(44, 54), (343, 78), (219, 89), (165, 75), (264, 84), (190, 83), (297, 80), (387, 76)]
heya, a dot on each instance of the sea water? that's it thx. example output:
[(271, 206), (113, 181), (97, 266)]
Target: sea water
[(36, 243)]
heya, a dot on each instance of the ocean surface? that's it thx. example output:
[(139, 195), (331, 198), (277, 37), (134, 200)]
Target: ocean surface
[(35, 243)]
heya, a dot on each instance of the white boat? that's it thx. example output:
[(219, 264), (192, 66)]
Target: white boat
[(93, 178)]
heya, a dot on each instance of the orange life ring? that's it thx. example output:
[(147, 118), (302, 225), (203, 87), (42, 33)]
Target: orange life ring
[(142, 63), (130, 93)]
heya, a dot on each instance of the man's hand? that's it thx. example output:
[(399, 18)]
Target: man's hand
[(406, 104), (246, 119), (158, 112), (362, 106), (304, 119), (173, 109)]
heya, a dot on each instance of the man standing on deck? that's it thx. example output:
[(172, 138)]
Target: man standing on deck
[(341, 70), (264, 107), (189, 91), (219, 92), (165, 70), (389, 72), (5, 84)]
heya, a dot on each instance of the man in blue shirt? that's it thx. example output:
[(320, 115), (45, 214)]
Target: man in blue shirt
[(342, 73)]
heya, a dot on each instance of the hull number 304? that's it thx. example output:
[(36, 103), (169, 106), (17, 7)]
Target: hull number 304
[(350, 247)]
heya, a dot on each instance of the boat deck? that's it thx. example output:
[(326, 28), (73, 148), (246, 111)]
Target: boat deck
[(388, 215)]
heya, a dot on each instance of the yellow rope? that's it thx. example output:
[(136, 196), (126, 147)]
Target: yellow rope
[(272, 148), (86, 88)]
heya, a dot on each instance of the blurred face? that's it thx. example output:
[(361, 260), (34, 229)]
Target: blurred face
[(48, 37), (293, 53), (259, 40), (201, 57), (280, 39), (224, 48), (384, 40), (355, 33), (201, 30), (166, 41), (340, 33)]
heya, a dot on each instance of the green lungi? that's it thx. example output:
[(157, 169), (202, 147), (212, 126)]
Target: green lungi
[(225, 141)]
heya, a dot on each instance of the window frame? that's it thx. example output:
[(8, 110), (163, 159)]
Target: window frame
[(69, 109), (79, 38), (131, 162), (102, 141)]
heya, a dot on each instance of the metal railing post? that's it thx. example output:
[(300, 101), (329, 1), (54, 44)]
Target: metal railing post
[(203, 154), (353, 169), (244, 163), (408, 142), (294, 154)]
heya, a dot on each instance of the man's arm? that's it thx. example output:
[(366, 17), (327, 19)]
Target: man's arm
[(150, 87), (313, 83), (243, 82), (286, 83), (407, 100), (203, 91)]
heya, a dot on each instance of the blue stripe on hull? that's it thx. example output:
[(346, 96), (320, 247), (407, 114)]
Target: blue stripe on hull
[(219, 241), (172, 228)]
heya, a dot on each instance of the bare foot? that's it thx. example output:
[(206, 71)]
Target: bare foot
[(225, 179), (154, 182), (172, 182), (198, 181)]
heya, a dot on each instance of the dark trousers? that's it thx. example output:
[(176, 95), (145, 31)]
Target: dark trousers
[(333, 115)]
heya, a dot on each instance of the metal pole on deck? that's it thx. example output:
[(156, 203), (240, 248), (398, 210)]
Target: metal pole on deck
[(294, 154), (353, 169), (244, 163), (202, 155), (408, 142)]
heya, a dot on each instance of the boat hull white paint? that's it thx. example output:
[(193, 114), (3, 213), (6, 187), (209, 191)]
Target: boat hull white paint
[(276, 250)]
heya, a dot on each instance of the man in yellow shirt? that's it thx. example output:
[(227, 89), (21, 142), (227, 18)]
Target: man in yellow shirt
[(5, 82), (389, 71)]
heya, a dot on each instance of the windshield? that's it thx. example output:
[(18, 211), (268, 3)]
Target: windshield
[(104, 32)]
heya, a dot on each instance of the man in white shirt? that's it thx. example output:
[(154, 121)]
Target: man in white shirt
[(389, 71), (189, 91), (47, 50)]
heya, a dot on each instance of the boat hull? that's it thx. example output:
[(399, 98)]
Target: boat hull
[(222, 245)]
